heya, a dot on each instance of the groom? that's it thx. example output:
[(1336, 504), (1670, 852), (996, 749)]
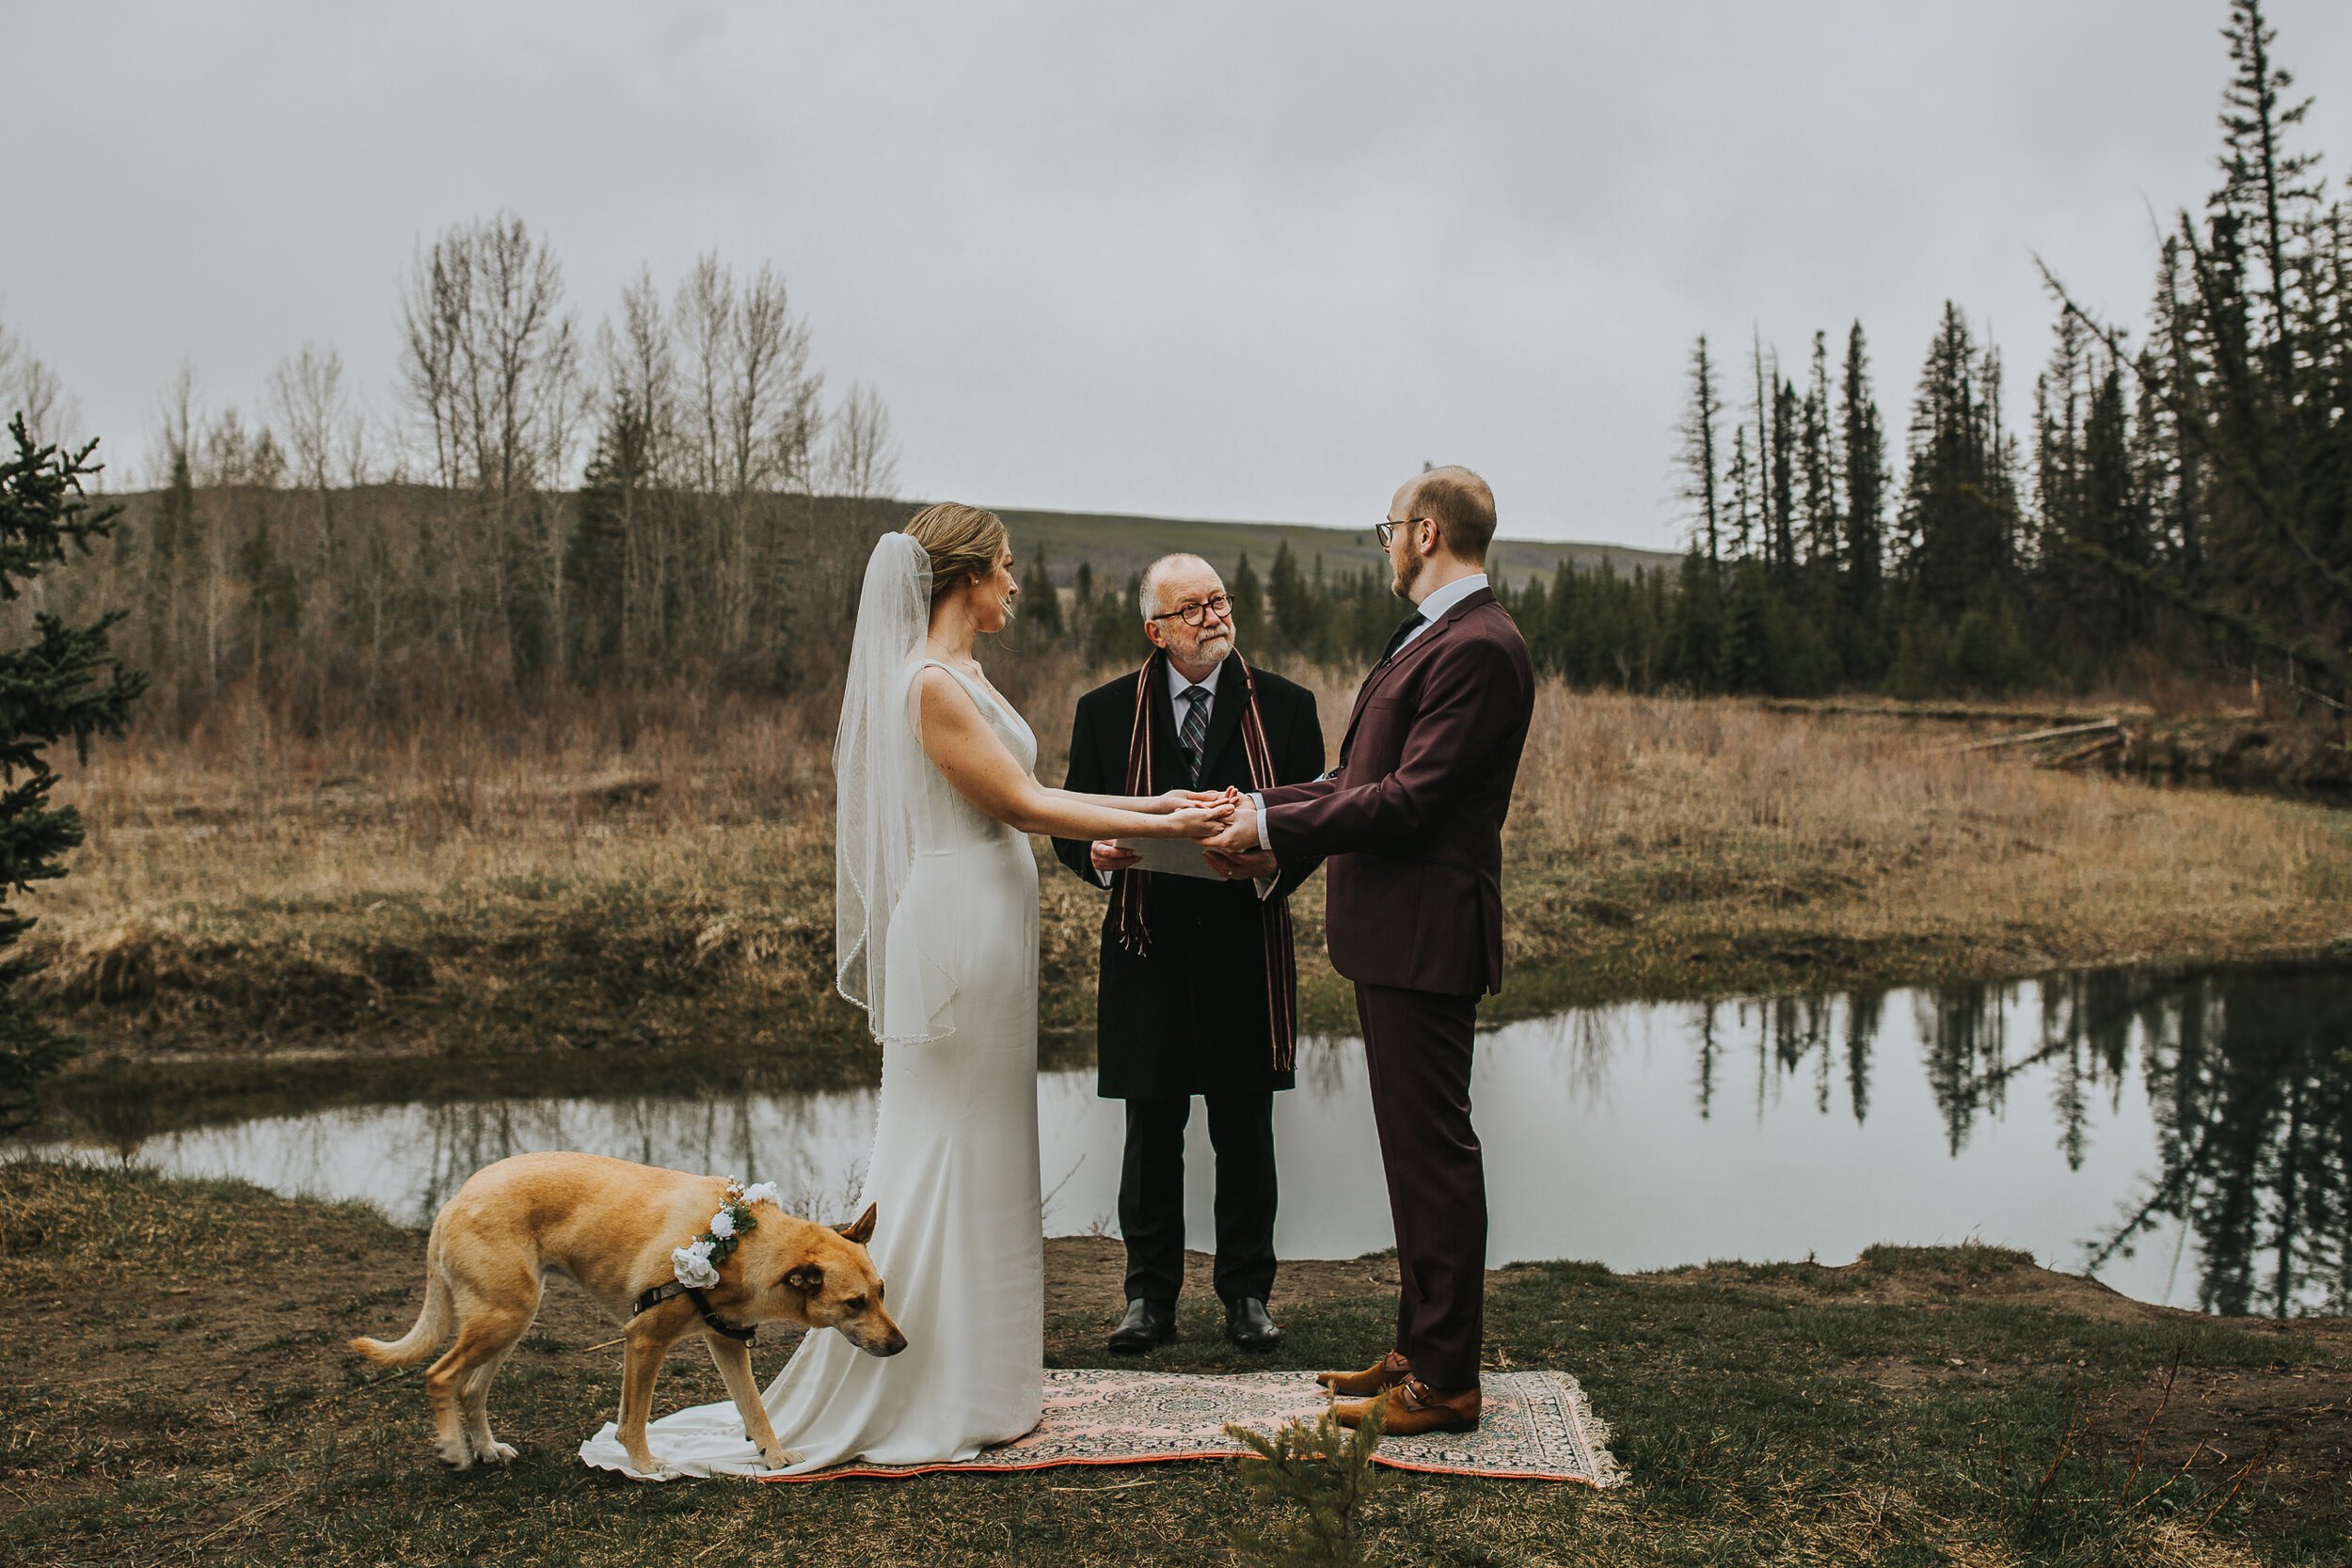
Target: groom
[(1198, 984), (1412, 821)]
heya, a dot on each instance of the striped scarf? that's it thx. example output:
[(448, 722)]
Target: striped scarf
[(1129, 897)]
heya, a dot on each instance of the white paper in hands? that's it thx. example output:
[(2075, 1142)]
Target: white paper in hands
[(1174, 857)]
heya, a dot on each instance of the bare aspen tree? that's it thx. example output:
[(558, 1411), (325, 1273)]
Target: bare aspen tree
[(491, 370), (861, 461), (305, 398), (859, 468), (308, 403), (751, 413), (28, 386)]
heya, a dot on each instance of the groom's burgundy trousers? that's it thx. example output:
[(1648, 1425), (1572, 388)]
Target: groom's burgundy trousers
[(1417, 1053)]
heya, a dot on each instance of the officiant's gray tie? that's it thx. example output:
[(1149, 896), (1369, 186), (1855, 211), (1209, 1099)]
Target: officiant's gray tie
[(1195, 729)]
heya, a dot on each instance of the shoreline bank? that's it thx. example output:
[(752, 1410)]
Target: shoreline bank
[(118, 1098), (470, 917)]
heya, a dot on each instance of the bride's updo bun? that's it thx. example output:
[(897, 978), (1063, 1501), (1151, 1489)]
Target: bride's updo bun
[(963, 542)]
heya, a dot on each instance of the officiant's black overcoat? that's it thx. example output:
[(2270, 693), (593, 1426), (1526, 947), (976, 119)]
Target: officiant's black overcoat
[(1189, 1018)]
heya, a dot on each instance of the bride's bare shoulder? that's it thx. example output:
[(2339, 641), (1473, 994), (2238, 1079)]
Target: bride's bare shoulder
[(942, 696)]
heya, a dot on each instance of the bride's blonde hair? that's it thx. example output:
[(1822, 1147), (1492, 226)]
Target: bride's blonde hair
[(963, 542)]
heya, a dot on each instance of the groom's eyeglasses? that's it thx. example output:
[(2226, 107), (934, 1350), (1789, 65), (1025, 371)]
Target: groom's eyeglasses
[(1195, 615), (1386, 530)]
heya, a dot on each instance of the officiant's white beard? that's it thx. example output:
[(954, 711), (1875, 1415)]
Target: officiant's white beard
[(1213, 647)]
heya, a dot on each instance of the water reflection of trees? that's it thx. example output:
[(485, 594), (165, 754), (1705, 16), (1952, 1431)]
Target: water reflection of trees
[(1821, 1037), (2248, 1078), (2249, 1087), (2253, 1095), (410, 1158)]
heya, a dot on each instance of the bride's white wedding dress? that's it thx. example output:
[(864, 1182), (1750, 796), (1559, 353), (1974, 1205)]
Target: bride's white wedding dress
[(954, 1171)]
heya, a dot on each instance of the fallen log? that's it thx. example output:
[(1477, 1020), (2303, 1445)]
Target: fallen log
[(2104, 743), (2110, 726)]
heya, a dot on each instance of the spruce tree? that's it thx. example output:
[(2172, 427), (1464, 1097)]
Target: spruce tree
[(1819, 443), (1288, 597), (66, 682), (1865, 484), (1783, 481), (1248, 604), (595, 564), (1699, 463), (1045, 608)]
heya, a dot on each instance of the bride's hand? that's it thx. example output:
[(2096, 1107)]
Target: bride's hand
[(1177, 800), (1200, 822)]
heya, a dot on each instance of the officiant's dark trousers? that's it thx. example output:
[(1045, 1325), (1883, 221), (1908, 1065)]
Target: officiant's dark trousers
[(1417, 1055), (1152, 1195)]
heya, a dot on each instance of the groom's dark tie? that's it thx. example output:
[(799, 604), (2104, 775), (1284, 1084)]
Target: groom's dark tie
[(1403, 629), (1196, 730)]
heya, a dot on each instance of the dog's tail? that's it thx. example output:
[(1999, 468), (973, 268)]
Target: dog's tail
[(432, 1323)]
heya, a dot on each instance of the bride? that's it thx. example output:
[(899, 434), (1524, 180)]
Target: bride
[(936, 924)]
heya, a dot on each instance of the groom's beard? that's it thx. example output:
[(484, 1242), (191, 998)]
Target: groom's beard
[(1408, 572)]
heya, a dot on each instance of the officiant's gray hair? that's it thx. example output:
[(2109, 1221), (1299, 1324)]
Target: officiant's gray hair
[(1155, 580)]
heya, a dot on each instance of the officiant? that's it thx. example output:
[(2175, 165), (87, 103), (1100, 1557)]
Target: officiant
[(1199, 985)]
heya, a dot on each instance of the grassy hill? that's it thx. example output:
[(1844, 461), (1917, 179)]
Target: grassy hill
[(1121, 545)]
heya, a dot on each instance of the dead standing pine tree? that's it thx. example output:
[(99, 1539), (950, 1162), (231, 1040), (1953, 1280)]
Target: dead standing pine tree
[(66, 681)]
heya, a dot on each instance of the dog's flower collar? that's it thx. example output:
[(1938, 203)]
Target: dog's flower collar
[(696, 1264)]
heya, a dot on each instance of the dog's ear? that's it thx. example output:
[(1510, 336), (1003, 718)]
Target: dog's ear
[(860, 1229), (807, 1277)]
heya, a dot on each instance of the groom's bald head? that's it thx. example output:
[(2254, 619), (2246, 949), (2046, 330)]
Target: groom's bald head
[(1459, 502)]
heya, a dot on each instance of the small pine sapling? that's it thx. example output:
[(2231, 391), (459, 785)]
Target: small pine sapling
[(1321, 1469)]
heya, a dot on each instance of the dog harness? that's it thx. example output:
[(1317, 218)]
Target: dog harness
[(661, 1294)]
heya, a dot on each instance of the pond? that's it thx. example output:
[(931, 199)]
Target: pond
[(2187, 1137)]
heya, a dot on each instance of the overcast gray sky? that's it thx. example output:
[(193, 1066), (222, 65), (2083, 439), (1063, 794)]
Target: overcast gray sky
[(1252, 260)]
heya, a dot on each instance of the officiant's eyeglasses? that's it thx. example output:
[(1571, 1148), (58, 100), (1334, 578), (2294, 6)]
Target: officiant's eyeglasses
[(1194, 614), (1384, 532)]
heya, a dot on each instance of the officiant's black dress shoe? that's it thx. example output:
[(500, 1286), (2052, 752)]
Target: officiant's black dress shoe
[(1247, 1325), (1148, 1323)]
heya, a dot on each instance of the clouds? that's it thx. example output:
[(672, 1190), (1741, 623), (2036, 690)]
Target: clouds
[(1230, 261)]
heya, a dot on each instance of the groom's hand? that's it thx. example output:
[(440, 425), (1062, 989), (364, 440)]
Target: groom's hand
[(1244, 867), (1239, 836), (1111, 855)]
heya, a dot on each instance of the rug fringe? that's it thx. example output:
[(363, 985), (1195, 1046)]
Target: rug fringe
[(1598, 1434)]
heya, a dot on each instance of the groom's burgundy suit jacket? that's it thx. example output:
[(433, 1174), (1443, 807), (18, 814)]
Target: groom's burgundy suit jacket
[(1411, 820)]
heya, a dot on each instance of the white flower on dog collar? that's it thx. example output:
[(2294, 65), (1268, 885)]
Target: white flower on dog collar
[(696, 1264)]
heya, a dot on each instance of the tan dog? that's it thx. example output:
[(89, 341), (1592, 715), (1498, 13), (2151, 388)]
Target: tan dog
[(610, 1227)]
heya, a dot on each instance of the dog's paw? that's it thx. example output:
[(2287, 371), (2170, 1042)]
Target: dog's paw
[(454, 1456), (778, 1459), (498, 1453)]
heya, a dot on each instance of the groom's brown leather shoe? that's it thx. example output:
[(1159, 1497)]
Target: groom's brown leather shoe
[(1415, 1407), (1378, 1378)]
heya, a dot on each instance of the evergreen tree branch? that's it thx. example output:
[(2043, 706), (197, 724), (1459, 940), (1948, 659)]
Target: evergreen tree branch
[(2253, 489)]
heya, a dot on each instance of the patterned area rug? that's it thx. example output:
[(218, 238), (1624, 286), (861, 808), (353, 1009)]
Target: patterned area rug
[(1534, 1426)]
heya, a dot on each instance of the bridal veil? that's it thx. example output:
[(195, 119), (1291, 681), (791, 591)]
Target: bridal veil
[(883, 805)]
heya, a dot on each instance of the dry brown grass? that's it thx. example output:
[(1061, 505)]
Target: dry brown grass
[(660, 868), (1720, 819)]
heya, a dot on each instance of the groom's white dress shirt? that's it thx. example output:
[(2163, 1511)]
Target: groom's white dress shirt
[(1437, 604)]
